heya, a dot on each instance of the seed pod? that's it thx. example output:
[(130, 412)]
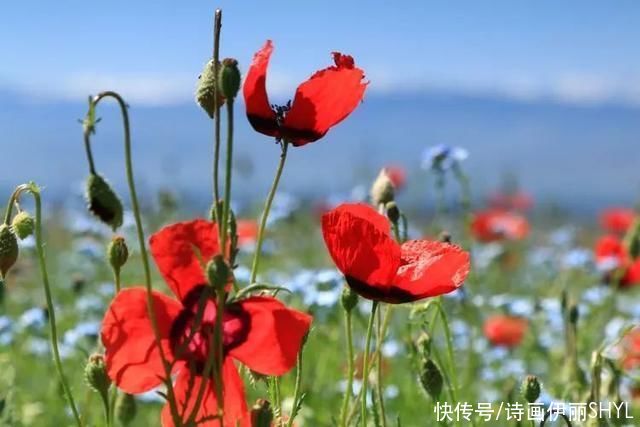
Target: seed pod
[(348, 299), (206, 90), (261, 414), (118, 253), (530, 388), (103, 202), (218, 272), (95, 374), (431, 378), (229, 78), (382, 191), (23, 225), (125, 409), (8, 249)]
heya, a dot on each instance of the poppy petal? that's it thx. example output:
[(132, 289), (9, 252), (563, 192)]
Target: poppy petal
[(324, 100), (275, 336), (431, 268), (182, 250), (132, 358), (359, 242), (259, 111), (235, 407)]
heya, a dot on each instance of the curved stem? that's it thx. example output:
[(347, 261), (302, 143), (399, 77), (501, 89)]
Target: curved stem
[(379, 387), (217, 26), (296, 390), (265, 212), (365, 363), (35, 191), (87, 147), (350, 369), (12, 201), (143, 249)]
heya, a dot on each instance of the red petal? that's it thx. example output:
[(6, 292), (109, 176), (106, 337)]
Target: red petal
[(617, 220), (182, 250), (132, 358), (358, 240), (275, 336), (431, 268), (259, 111), (324, 100), (235, 406)]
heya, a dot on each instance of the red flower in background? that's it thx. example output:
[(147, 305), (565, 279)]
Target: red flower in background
[(492, 225), (397, 175), (376, 267), (630, 348), (260, 332), (518, 201), (612, 258), (506, 331), (247, 231), (320, 103), (617, 220)]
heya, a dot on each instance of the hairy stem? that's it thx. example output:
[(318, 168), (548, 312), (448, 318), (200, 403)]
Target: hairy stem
[(365, 363), (350, 368)]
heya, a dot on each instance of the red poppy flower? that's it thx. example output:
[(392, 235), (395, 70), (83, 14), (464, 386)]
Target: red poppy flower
[(397, 175), (630, 349), (612, 258), (506, 331), (247, 232), (260, 332), (378, 268), (492, 225), (320, 103), (518, 201), (617, 220)]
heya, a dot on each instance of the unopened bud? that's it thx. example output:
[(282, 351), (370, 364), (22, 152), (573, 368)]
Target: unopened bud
[(393, 212), (118, 253), (218, 272), (348, 299), (23, 225), (423, 345), (229, 78), (205, 92), (573, 314), (431, 378), (8, 249), (125, 409), (261, 414), (103, 202), (445, 237), (95, 374), (530, 388), (382, 191)]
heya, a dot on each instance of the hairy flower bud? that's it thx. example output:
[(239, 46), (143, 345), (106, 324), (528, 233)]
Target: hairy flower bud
[(95, 374), (348, 299), (118, 253), (103, 202), (218, 272), (261, 414), (229, 78), (205, 92), (392, 211), (431, 378), (23, 225), (530, 388), (125, 409), (382, 191), (8, 249)]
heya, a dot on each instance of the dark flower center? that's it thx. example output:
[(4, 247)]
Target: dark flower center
[(193, 331)]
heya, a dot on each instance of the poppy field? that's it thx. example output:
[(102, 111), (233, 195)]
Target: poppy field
[(347, 311)]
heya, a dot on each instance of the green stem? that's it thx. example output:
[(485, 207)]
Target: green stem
[(87, 147), (143, 249), (447, 332), (107, 411), (265, 212), (217, 26), (116, 279), (380, 388), (206, 375), (365, 363), (296, 390), (224, 225), (350, 369), (12, 200)]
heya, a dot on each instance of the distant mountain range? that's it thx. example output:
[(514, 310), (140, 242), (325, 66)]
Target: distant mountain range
[(579, 156)]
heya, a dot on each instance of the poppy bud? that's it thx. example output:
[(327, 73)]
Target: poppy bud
[(229, 78), (205, 91), (218, 272), (95, 374), (125, 408), (348, 299), (23, 225), (573, 314), (423, 344), (118, 253), (103, 202), (445, 237), (382, 191), (431, 378), (531, 388), (392, 211), (261, 414), (8, 249)]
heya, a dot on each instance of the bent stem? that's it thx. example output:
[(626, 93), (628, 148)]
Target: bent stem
[(350, 368), (296, 390), (365, 363), (143, 249), (265, 212)]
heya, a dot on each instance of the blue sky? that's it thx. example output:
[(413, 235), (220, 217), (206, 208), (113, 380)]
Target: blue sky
[(569, 51)]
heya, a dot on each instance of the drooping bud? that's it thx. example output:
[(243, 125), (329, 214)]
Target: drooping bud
[(261, 414), (348, 299), (103, 202), (392, 211), (8, 249), (218, 272), (530, 388), (205, 92), (118, 253), (95, 374), (229, 78), (125, 409), (23, 225), (382, 191), (431, 378)]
